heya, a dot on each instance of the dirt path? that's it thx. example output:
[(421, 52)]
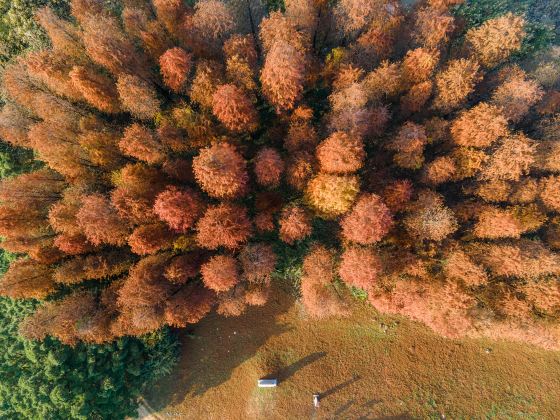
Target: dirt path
[(364, 367), (146, 412)]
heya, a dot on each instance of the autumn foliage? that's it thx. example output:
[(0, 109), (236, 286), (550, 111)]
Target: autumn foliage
[(192, 154), (221, 171), (368, 222), (359, 267), (220, 273), (294, 224)]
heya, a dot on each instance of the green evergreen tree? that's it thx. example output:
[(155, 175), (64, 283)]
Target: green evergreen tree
[(18, 29), (49, 380)]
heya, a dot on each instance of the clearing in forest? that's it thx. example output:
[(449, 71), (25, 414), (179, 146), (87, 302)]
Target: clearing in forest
[(366, 366)]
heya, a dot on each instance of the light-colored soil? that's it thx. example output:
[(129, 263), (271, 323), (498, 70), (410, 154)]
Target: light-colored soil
[(365, 367), (146, 412)]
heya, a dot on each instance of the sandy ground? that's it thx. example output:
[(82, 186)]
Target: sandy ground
[(364, 367)]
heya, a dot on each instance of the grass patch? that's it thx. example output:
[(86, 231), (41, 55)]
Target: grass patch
[(364, 366)]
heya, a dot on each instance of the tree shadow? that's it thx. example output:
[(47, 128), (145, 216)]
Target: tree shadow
[(338, 387), (213, 348)]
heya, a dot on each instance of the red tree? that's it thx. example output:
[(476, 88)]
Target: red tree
[(269, 167), (295, 224), (179, 208), (359, 267), (14, 125), (220, 273), (73, 244), (109, 47), (340, 153), (100, 221), (175, 65), (368, 222), (300, 169), (283, 75), (92, 267), (397, 194), (221, 171), (189, 305), (99, 90), (258, 262), (318, 294), (138, 97), (27, 279), (430, 218), (141, 143), (234, 109), (224, 225), (148, 239), (137, 186), (183, 267), (142, 296)]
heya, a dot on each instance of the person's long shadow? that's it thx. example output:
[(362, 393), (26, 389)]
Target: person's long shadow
[(340, 411), (213, 348), (286, 372), (338, 387)]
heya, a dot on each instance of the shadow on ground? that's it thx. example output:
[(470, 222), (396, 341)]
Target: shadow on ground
[(218, 351), (285, 373), (359, 371), (339, 387)]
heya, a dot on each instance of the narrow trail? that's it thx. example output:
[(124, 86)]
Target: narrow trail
[(146, 412)]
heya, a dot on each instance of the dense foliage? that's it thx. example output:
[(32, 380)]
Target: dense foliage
[(49, 380), (192, 151), (18, 28), (20, 31), (542, 18)]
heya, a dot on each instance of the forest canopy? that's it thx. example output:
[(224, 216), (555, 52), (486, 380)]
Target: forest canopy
[(196, 154), (50, 380)]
